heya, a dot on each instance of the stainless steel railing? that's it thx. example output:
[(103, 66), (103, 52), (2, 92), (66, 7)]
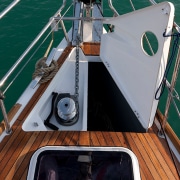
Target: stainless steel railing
[(112, 8), (171, 86), (3, 80), (57, 16), (8, 8), (30, 46), (171, 89)]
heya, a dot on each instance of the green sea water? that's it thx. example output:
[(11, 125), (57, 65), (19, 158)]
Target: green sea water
[(22, 24)]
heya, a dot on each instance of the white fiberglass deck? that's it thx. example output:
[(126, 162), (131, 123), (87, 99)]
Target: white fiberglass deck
[(63, 82)]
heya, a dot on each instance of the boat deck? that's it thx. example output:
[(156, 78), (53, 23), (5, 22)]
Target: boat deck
[(16, 149)]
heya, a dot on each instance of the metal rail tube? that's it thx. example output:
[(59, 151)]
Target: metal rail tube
[(172, 85), (30, 46), (8, 8), (170, 98), (82, 18), (152, 2), (6, 121), (112, 8)]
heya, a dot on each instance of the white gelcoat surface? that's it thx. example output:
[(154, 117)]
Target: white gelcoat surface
[(137, 74)]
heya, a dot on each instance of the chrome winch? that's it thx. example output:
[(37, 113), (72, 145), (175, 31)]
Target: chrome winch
[(66, 109)]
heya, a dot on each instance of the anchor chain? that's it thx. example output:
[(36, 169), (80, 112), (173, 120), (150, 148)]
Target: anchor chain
[(66, 105), (78, 40)]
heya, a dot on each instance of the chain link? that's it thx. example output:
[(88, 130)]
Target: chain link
[(77, 69)]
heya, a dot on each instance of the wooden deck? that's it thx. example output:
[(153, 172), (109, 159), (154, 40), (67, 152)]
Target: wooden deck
[(16, 149)]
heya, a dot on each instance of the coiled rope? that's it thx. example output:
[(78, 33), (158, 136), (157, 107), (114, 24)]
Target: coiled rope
[(42, 69), (47, 72)]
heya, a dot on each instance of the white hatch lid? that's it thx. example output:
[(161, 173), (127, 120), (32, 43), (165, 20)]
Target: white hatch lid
[(136, 70)]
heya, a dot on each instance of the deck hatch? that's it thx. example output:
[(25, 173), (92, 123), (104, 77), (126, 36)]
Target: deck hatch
[(71, 163)]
